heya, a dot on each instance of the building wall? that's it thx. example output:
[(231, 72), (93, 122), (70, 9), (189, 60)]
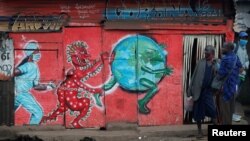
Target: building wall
[(119, 103), (50, 66), (132, 70)]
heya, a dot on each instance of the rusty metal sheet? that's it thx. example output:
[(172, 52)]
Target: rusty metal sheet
[(88, 12)]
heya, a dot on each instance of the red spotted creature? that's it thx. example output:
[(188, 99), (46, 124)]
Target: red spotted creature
[(73, 93)]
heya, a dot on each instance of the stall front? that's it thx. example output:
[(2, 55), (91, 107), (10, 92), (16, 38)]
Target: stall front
[(101, 62)]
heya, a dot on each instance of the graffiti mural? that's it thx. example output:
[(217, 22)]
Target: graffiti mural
[(165, 9), (89, 82), (27, 77), (139, 63), (73, 93), (38, 23)]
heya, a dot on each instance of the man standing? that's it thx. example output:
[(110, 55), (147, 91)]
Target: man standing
[(241, 52), (229, 68), (200, 89), (27, 76)]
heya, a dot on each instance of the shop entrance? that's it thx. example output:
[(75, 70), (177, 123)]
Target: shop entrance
[(193, 51)]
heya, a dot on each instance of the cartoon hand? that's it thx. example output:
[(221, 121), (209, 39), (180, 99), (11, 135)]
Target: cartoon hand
[(168, 71), (50, 86), (99, 91), (70, 72), (112, 57), (97, 99), (104, 55)]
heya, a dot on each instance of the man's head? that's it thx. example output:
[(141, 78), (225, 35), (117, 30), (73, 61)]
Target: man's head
[(209, 52), (243, 39), (227, 47), (243, 34)]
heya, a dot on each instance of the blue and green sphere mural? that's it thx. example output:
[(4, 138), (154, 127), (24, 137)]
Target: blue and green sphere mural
[(131, 55)]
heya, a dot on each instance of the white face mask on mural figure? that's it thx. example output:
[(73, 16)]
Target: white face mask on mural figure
[(36, 57), (32, 50)]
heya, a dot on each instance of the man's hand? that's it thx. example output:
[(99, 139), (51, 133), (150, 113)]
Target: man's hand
[(189, 98), (241, 70)]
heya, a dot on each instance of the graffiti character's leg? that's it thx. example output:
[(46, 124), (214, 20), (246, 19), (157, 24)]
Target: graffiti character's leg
[(31, 105), (60, 109), (142, 103), (83, 105)]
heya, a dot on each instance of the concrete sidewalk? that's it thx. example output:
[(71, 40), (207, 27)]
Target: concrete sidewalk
[(114, 132), (124, 133)]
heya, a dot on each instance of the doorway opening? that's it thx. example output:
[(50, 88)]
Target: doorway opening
[(193, 51)]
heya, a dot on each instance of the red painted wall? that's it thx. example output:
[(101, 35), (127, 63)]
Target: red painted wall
[(118, 105), (92, 13), (93, 38), (166, 105), (81, 13), (51, 69)]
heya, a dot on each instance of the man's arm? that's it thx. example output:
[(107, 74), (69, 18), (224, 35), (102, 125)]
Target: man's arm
[(246, 65), (189, 92), (223, 70)]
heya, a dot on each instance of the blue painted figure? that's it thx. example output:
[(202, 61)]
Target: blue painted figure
[(27, 77)]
